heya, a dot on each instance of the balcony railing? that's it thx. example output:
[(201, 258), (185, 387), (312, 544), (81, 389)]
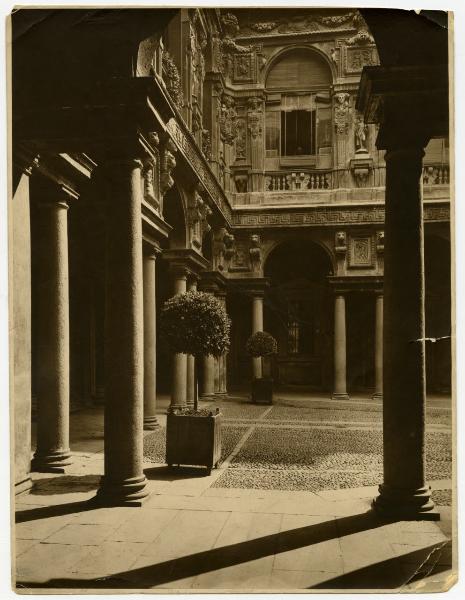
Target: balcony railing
[(295, 181), (436, 175)]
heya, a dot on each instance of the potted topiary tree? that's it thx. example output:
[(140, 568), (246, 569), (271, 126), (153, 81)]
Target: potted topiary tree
[(194, 323), (262, 345)]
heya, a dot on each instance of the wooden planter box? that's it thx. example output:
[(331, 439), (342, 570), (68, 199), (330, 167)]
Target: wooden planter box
[(193, 440), (262, 390)]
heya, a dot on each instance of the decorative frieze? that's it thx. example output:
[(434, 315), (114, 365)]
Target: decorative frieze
[(189, 149), (328, 216), (303, 23)]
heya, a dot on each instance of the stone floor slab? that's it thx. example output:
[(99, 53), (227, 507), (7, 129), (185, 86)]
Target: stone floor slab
[(80, 534), (144, 525)]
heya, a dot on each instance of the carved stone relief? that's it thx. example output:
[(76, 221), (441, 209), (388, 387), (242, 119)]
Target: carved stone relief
[(255, 117), (229, 48), (172, 79), (241, 144), (227, 119), (360, 133), (206, 144), (198, 213), (341, 112), (361, 254), (255, 252), (151, 182), (340, 241), (168, 162)]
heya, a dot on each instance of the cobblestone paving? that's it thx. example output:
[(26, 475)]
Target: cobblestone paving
[(442, 497), (289, 451), (155, 443), (295, 459), (293, 453)]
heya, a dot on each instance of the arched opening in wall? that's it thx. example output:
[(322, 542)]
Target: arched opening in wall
[(298, 313), (298, 111), (438, 313), (173, 212)]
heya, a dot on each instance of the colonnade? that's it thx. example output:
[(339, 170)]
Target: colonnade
[(130, 342)]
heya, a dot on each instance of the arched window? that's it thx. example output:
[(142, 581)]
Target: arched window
[(298, 112)]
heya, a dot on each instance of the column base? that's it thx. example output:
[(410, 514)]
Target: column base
[(151, 423), (127, 492), (338, 396), (54, 462), (377, 396), (23, 486), (414, 504)]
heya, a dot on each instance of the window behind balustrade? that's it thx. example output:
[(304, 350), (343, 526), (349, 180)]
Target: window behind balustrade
[(298, 113)]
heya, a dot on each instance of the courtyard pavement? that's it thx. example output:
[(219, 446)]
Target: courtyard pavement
[(288, 509)]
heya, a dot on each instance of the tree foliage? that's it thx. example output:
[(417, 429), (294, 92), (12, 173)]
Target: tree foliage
[(261, 343), (195, 323)]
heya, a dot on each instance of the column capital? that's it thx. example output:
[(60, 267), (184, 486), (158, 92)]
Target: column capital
[(57, 196), (151, 251)]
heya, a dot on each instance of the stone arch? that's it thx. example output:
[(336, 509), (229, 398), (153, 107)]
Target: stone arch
[(298, 312), (282, 53), (268, 249)]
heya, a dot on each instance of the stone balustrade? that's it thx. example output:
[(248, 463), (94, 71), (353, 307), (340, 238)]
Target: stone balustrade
[(302, 180), (435, 174)]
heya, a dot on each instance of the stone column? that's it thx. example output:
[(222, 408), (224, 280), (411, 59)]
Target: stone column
[(378, 395), (124, 481), (404, 493), (208, 376), (340, 383), (191, 383), (150, 323), (179, 385), (52, 453), (257, 325)]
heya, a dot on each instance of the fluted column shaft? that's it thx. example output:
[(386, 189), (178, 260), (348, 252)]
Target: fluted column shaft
[(52, 453), (340, 375), (179, 374), (150, 324), (124, 481), (404, 492), (378, 347), (191, 383), (257, 325)]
